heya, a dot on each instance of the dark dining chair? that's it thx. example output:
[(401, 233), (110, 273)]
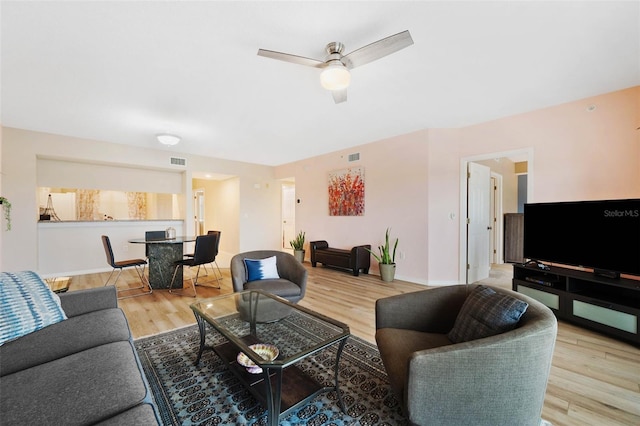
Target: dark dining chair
[(203, 253), (138, 264), (218, 276), (155, 235)]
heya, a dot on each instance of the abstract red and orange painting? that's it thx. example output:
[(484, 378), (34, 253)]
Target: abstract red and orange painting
[(346, 192)]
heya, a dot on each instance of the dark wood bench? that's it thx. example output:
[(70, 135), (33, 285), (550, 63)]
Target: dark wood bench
[(355, 259)]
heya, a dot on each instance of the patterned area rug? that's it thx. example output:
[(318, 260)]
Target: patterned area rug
[(211, 395)]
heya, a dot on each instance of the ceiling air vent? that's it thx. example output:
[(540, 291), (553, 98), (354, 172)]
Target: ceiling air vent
[(354, 157), (178, 161)]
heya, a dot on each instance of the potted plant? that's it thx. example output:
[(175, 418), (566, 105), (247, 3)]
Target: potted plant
[(386, 259), (6, 205), (297, 245)]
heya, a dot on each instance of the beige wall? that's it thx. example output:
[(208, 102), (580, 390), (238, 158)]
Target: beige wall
[(579, 155), (395, 197), (413, 182), (222, 213), (504, 167), (22, 148)]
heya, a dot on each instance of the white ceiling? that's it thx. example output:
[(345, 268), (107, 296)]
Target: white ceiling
[(124, 71)]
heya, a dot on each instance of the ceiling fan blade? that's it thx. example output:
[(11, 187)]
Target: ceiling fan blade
[(300, 60), (377, 49), (339, 96)]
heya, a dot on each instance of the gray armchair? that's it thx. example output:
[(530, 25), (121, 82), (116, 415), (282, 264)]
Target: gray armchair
[(291, 285), (497, 380)]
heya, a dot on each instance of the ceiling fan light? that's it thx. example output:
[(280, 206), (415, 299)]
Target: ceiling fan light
[(335, 76), (167, 139)]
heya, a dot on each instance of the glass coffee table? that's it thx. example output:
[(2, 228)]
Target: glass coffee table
[(278, 384)]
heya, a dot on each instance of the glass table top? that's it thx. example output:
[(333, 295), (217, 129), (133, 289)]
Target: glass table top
[(293, 329)]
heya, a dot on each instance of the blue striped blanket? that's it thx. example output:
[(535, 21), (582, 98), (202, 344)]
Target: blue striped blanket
[(26, 305)]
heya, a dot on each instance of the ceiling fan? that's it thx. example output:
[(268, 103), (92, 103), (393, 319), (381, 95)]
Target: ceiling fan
[(335, 75)]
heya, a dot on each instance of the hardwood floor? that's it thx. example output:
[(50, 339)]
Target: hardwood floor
[(595, 380)]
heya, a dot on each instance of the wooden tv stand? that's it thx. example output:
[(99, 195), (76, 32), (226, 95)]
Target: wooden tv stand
[(607, 305)]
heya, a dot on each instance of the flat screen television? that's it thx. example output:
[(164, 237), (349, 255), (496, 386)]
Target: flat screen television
[(602, 235)]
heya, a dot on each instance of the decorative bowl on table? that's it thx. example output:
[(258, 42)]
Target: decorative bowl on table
[(266, 351)]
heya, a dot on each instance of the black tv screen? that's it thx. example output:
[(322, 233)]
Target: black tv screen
[(603, 235)]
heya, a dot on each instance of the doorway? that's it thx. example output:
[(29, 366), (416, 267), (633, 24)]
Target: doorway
[(469, 248), (497, 231), (288, 214), (198, 211), (478, 221)]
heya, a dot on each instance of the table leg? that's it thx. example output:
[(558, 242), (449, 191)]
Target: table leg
[(253, 306), (202, 328), (274, 398), (340, 401)]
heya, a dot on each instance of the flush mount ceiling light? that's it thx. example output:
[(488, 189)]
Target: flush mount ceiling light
[(168, 139)]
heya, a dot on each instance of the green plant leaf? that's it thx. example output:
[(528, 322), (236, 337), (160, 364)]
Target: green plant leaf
[(386, 256)]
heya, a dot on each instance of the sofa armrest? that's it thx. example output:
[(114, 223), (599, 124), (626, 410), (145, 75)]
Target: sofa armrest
[(430, 311), (94, 299), (471, 371), (316, 245), (361, 257), (238, 272), (292, 270)]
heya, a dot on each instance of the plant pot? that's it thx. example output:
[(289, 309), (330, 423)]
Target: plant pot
[(387, 271), (299, 255)]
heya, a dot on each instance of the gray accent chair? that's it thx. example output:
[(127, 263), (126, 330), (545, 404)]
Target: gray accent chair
[(497, 380), (291, 285)]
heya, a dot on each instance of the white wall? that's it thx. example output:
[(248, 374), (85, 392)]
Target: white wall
[(111, 177), (73, 248), (22, 148), (258, 229), (2, 220)]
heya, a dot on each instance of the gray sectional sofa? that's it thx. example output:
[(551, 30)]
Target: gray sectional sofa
[(81, 371)]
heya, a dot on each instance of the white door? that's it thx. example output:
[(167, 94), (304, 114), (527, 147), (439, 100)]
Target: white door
[(198, 211), (493, 240), (288, 214), (478, 222)]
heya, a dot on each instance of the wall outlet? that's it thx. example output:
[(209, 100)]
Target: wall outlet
[(401, 255)]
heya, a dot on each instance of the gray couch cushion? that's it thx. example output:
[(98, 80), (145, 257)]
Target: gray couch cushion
[(67, 337), (83, 388), (396, 348), (486, 313), (283, 288), (140, 415)]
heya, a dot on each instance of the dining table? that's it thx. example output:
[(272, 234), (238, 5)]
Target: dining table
[(162, 255)]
